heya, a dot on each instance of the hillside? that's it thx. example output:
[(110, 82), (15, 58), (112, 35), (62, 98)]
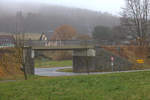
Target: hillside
[(44, 18)]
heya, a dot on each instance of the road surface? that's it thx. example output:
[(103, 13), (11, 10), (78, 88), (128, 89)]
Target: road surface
[(53, 72)]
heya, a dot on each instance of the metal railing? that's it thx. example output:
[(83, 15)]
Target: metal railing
[(58, 43)]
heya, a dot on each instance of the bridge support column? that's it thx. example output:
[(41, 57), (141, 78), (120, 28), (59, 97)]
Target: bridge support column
[(83, 60), (28, 56)]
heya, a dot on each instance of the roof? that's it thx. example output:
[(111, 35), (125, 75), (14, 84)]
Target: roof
[(6, 39), (47, 34)]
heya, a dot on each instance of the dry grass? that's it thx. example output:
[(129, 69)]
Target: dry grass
[(10, 62), (132, 53)]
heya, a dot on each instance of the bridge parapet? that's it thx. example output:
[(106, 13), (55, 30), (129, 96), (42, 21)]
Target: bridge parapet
[(59, 44)]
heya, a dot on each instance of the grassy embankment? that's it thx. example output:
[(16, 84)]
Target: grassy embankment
[(120, 86), (10, 63), (132, 53), (50, 64), (65, 70)]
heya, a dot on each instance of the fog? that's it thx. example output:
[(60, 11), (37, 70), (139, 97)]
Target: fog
[(41, 17)]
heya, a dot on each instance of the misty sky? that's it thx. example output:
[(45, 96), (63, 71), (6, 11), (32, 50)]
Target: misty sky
[(111, 6)]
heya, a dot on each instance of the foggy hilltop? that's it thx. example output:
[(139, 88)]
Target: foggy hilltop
[(43, 17)]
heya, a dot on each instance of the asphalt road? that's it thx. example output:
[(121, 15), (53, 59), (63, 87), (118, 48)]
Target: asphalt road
[(53, 72)]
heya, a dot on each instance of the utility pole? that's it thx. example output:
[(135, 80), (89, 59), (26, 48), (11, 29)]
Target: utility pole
[(20, 39), (87, 58)]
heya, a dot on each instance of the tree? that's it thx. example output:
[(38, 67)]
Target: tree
[(64, 32), (136, 18), (83, 37), (102, 33), (118, 32), (19, 34)]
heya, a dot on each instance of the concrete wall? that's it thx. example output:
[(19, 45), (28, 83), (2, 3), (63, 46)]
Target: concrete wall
[(100, 62)]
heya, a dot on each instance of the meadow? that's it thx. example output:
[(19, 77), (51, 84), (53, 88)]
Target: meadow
[(51, 63), (119, 86)]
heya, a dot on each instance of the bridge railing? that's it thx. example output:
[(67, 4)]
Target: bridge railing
[(58, 43)]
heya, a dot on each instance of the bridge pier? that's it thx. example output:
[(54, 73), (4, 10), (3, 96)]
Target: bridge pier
[(28, 58), (83, 60)]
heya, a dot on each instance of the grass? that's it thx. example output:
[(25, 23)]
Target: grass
[(12, 77), (50, 64), (120, 86), (17, 78), (65, 70)]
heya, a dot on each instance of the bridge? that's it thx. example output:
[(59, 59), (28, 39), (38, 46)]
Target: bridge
[(87, 55), (79, 48)]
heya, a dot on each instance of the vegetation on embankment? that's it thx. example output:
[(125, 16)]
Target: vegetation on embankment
[(120, 86), (10, 63), (50, 63), (132, 53)]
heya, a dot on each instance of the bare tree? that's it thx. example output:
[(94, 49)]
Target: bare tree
[(19, 34), (64, 32), (20, 37), (136, 18)]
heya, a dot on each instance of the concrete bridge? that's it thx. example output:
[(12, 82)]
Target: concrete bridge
[(87, 56), (79, 48)]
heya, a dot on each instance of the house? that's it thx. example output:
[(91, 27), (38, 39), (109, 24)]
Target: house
[(46, 38), (7, 41), (43, 37)]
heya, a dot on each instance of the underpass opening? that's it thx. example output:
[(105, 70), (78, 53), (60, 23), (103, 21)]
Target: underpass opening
[(53, 58)]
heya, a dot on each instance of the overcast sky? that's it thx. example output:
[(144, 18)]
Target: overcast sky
[(111, 6)]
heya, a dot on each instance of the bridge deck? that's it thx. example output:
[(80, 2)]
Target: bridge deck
[(61, 47)]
